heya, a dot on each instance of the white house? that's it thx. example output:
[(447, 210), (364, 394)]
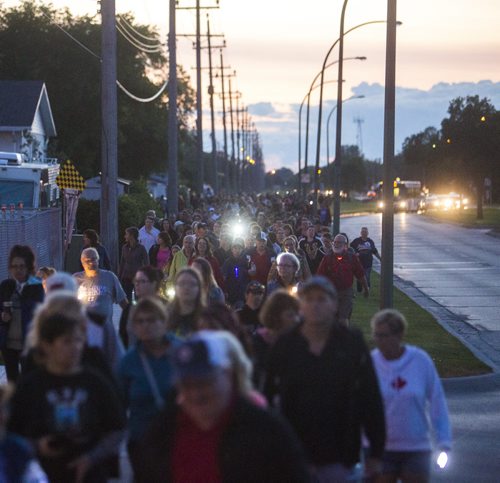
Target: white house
[(92, 189), (26, 122)]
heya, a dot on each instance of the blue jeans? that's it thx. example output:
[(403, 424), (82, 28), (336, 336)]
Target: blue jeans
[(368, 272)]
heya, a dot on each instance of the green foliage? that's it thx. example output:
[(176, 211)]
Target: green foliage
[(87, 215), (462, 153), (282, 177), (132, 208), (354, 169), (32, 47)]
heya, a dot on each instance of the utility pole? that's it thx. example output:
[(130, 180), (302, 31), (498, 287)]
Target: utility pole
[(199, 107), (109, 139), (172, 188), (234, 170), (238, 147), (227, 181), (214, 170)]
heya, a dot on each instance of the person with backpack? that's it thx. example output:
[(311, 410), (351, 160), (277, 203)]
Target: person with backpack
[(341, 267)]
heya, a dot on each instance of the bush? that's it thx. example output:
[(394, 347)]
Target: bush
[(131, 210)]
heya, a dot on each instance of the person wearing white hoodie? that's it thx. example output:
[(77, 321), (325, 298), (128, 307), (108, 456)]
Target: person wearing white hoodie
[(413, 398)]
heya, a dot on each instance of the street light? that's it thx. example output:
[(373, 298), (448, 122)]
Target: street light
[(387, 269), (308, 97), (340, 63)]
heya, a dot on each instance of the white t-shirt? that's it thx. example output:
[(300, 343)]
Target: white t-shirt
[(148, 238), (412, 394)]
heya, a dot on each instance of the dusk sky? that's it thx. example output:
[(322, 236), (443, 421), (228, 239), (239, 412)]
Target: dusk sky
[(444, 48)]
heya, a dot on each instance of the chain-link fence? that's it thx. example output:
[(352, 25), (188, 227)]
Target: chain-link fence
[(40, 229)]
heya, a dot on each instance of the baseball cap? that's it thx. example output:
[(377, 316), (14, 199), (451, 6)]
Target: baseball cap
[(201, 355), (61, 281), (178, 223), (320, 283)]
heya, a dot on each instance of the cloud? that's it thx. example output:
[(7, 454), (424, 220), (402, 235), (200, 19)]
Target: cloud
[(416, 109)]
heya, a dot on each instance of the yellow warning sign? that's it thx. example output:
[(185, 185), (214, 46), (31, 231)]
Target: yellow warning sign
[(70, 178)]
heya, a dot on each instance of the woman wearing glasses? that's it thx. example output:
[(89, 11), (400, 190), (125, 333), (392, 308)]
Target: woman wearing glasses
[(147, 282), (19, 295), (287, 278)]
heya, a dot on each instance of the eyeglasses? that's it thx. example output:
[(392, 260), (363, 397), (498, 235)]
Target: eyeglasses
[(89, 260), (145, 320), (382, 335), (18, 266), (256, 292)]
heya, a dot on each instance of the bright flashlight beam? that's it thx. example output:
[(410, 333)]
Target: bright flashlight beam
[(442, 459), (238, 229)]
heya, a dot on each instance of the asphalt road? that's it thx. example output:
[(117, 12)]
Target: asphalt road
[(454, 273)]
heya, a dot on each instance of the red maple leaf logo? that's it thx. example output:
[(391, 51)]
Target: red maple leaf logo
[(398, 383)]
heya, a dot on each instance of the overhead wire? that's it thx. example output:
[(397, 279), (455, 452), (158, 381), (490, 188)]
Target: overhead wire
[(118, 83), (139, 45), (141, 99), (135, 31), (83, 46)]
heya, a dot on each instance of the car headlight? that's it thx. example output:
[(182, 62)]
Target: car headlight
[(402, 204), (380, 204)]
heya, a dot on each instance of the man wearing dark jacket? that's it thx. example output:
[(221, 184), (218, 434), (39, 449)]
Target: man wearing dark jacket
[(327, 388), (211, 431)]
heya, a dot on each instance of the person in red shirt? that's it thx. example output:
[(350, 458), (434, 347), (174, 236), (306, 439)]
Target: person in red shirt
[(212, 429), (261, 259), (340, 267)]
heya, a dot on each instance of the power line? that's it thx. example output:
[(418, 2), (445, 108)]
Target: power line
[(135, 31), (71, 36), (124, 89), (137, 44), (140, 99)]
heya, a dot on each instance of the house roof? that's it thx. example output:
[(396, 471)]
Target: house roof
[(19, 102)]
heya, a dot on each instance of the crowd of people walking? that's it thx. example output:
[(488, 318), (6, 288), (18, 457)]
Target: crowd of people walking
[(236, 358)]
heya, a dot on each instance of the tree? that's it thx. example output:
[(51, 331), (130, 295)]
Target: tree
[(33, 47), (353, 174), (419, 154), (472, 135)]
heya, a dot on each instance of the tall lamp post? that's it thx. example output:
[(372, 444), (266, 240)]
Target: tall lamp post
[(308, 97), (338, 135), (386, 288), (340, 62)]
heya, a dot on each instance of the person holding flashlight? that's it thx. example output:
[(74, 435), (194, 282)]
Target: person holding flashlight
[(413, 396)]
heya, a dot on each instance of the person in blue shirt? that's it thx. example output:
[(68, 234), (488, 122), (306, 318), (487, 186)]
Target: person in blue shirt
[(365, 249), (235, 273), (145, 371)]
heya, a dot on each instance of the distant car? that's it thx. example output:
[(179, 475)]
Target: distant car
[(446, 202)]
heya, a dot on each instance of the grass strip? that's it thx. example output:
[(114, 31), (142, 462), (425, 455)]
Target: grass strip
[(354, 206), (468, 217), (451, 357)]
